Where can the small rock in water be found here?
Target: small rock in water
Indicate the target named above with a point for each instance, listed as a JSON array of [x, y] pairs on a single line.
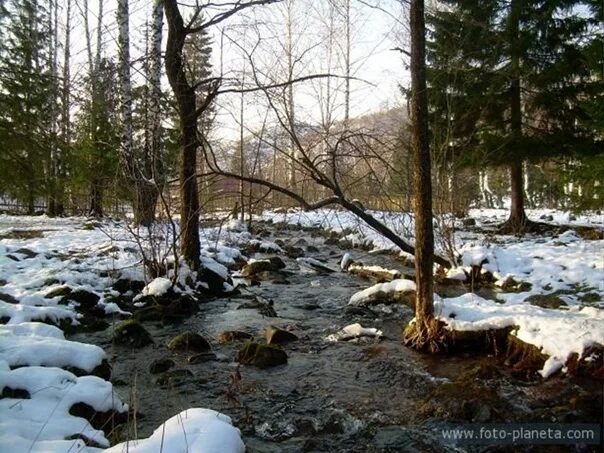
[[174, 377], [189, 342], [131, 333], [229, 336], [314, 264], [161, 365], [353, 331], [275, 335], [265, 308], [261, 356], [201, 358]]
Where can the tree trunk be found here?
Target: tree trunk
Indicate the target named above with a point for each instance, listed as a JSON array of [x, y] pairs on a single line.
[[423, 333], [517, 220], [131, 170], [96, 198], [146, 200], [65, 114], [185, 97], [148, 189]]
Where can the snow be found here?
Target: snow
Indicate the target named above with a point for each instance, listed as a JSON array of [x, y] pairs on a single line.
[[558, 333], [382, 290], [215, 267], [376, 269], [194, 430], [38, 349], [266, 246], [354, 331], [43, 421], [157, 287], [346, 261]]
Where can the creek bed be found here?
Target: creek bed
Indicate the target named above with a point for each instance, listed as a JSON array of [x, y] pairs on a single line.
[[367, 395]]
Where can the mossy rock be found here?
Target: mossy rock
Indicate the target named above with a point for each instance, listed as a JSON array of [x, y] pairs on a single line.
[[510, 285], [174, 377], [61, 291], [149, 313], [189, 342], [546, 301], [590, 297], [275, 335], [272, 264], [202, 358], [85, 299], [123, 285], [261, 356], [161, 365], [228, 336], [132, 333]]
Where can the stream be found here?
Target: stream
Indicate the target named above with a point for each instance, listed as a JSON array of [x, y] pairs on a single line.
[[355, 396]]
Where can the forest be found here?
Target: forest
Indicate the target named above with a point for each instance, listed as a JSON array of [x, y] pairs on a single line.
[[301, 225]]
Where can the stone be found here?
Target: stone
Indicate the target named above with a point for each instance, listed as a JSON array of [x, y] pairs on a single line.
[[105, 421], [189, 342], [27, 252], [201, 358], [84, 298], [275, 335], [467, 222], [131, 333], [123, 285], [253, 268], [61, 291], [214, 281], [18, 394], [229, 336], [8, 298], [261, 356], [546, 301], [161, 365], [174, 377]]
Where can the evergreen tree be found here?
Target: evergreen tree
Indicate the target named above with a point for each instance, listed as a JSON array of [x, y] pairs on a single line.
[[508, 81], [26, 100]]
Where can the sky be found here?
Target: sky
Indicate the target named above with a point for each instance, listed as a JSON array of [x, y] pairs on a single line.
[[376, 28]]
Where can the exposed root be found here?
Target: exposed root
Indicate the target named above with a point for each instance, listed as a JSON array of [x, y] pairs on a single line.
[[428, 336], [521, 226]]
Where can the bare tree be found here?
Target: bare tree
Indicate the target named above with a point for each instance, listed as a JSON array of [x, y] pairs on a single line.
[[189, 112]]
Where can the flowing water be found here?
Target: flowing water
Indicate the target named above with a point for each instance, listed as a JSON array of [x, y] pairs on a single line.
[[361, 395]]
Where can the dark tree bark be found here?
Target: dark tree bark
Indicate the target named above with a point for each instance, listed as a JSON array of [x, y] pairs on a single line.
[[517, 220], [96, 198], [185, 98], [423, 334], [145, 203]]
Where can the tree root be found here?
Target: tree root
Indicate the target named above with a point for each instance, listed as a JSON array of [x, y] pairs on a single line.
[[427, 336]]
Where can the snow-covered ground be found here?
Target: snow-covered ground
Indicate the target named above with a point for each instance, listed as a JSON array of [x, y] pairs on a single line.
[[39, 256]]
